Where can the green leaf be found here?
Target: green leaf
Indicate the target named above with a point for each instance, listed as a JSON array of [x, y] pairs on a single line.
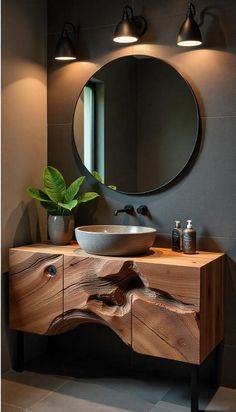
[[54, 183], [37, 194], [73, 189], [69, 205], [97, 176], [51, 207], [86, 197]]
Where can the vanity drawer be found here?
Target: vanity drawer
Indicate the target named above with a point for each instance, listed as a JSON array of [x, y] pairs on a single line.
[[36, 290], [181, 283]]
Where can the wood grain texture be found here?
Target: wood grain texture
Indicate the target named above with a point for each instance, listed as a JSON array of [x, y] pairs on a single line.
[[164, 304], [189, 335], [165, 329], [168, 324], [35, 298], [212, 306], [110, 288], [180, 282], [161, 256], [102, 288]]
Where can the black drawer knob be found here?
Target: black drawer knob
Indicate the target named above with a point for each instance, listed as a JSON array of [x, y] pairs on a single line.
[[51, 271]]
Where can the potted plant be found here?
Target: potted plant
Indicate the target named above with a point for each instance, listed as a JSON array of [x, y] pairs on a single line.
[[59, 201]]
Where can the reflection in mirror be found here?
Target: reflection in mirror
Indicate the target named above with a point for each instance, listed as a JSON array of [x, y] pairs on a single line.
[[136, 122]]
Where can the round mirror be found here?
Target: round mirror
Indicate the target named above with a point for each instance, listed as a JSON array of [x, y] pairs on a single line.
[[136, 123]]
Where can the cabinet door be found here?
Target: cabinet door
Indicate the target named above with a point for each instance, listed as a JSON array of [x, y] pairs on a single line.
[[36, 291], [165, 314], [99, 291], [166, 331]]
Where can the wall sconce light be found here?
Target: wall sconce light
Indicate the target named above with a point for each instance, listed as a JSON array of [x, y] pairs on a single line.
[[189, 34], [65, 47], [130, 28]]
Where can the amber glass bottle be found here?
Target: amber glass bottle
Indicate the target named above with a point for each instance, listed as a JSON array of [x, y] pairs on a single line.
[[177, 237]]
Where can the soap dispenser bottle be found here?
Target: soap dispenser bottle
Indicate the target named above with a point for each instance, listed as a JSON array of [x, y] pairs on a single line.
[[189, 239], [177, 237]]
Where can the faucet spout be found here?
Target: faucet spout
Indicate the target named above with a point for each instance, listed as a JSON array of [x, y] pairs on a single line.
[[117, 211], [129, 209]]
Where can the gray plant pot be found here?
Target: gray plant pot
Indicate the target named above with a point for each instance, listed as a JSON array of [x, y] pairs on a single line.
[[61, 229]]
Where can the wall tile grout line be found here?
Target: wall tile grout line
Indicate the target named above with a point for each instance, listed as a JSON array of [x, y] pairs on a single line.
[[201, 117], [57, 33], [219, 117], [203, 237], [60, 124]]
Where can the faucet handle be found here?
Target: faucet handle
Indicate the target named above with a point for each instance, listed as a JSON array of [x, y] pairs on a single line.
[[129, 209], [142, 210]]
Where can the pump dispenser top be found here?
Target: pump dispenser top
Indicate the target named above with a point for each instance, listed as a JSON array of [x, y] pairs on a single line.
[[189, 224]]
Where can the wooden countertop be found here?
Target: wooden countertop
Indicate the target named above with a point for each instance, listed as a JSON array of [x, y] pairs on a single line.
[[160, 256]]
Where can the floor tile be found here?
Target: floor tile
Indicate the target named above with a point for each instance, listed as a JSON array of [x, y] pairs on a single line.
[[224, 400], [104, 395], [35, 392], [152, 390], [11, 408], [169, 407], [180, 394], [26, 388], [61, 403]]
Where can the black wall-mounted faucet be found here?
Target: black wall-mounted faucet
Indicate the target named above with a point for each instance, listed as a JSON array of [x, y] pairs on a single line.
[[129, 209], [143, 210]]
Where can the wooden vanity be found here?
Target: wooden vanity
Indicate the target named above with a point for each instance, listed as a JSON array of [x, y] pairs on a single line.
[[164, 304]]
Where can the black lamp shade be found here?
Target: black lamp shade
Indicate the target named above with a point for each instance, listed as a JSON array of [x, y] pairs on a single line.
[[189, 34], [125, 32], [65, 49], [130, 28]]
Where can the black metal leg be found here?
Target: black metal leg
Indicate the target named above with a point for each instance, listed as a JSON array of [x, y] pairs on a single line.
[[20, 364], [215, 373], [52, 344], [194, 388]]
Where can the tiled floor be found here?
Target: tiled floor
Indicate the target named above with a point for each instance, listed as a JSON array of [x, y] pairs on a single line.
[[30, 391]]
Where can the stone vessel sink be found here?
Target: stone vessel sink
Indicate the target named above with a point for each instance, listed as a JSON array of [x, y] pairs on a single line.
[[115, 240]]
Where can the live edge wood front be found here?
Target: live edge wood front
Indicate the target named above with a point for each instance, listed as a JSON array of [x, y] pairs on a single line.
[[165, 304]]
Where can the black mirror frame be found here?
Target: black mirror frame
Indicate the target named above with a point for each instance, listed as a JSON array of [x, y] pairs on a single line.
[[189, 163]]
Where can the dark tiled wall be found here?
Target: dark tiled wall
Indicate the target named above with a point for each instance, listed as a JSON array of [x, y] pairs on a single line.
[[207, 193]]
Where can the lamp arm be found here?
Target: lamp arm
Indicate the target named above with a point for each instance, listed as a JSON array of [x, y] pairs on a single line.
[[206, 12], [64, 29], [192, 12], [128, 10], [139, 21], [191, 9]]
